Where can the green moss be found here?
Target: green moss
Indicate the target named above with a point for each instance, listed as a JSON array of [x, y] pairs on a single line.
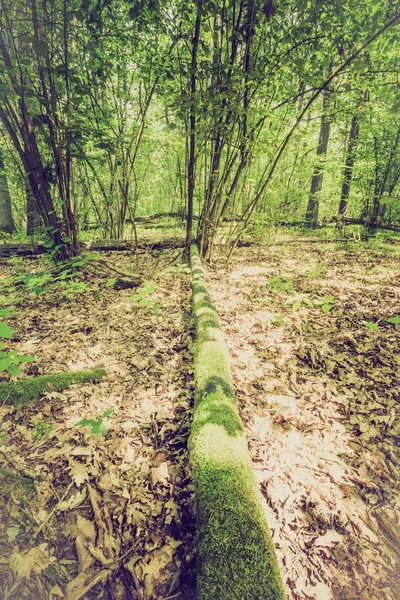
[[24, 391], [236, 555]]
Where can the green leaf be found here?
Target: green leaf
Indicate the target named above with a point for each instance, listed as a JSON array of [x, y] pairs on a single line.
[[5, 363], [14, 370], [371, 325], [5, 331], [395, 108], [394, 320], [107, 412], [49, 244], [296, 305], [85, 423], [326, 308], [12, 533], [7, 312], [40, 47], [26, 358], [27, 39]]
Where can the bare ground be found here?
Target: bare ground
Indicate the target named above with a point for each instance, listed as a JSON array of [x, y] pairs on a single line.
[[112, 516], [319, 392]]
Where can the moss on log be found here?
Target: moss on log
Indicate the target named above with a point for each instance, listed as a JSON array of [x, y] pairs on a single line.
[[236, 555], [24, 391]]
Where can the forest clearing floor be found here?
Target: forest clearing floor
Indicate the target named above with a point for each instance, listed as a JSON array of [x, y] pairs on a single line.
[[84, 514], [319, 394], [112, 516]]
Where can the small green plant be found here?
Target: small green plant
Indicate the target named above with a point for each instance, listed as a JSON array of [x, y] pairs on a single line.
[[394, 320], [41, 429], [98, 427], [3, 437], [69, 289], [281, 283], [374, 325], [18, 264], [298, 300], [141, 297], [325, 303], [277, 320], [315, 270], [10, 361]]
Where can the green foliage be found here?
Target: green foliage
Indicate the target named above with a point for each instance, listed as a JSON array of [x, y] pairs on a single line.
[[281, 283], [10, 361], [315, 270], [326, 303], [6, 332], [371, 325], [299, 300], [72, 288], [100, 426], [41, 429], [140, 297], [394, 320], [277, 320], [63, 281]]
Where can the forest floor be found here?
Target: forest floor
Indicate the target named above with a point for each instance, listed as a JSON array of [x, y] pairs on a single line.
[[318, 386]]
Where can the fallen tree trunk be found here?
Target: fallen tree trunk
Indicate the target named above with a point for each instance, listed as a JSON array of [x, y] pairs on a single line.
[[236, 555], [120, 245], [349, 221], [7, 250], [24, 391]]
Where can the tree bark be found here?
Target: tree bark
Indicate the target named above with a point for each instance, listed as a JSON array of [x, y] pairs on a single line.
[[33, 219], [6, 219], [192, 122], [312, 211], [350, 159]]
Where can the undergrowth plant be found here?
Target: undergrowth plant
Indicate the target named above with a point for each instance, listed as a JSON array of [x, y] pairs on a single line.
[[141, 297], [298, 300], [281, 283], [10, 359], [41, 429], [63, 280], [100, 426]]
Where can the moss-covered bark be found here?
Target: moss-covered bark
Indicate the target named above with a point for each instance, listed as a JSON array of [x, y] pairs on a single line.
[[24, 391], [236, 555]]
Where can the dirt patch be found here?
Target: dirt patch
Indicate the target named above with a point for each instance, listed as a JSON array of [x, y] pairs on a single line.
[[316, 369]]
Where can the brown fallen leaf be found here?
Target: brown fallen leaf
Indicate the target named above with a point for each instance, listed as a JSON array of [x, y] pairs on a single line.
[[36, 560]]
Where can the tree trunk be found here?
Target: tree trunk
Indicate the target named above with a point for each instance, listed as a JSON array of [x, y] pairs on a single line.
[[236, 555], [311, 217], [192, 122], [24, 391], [6, 218], [350, 158], [33, 219]]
